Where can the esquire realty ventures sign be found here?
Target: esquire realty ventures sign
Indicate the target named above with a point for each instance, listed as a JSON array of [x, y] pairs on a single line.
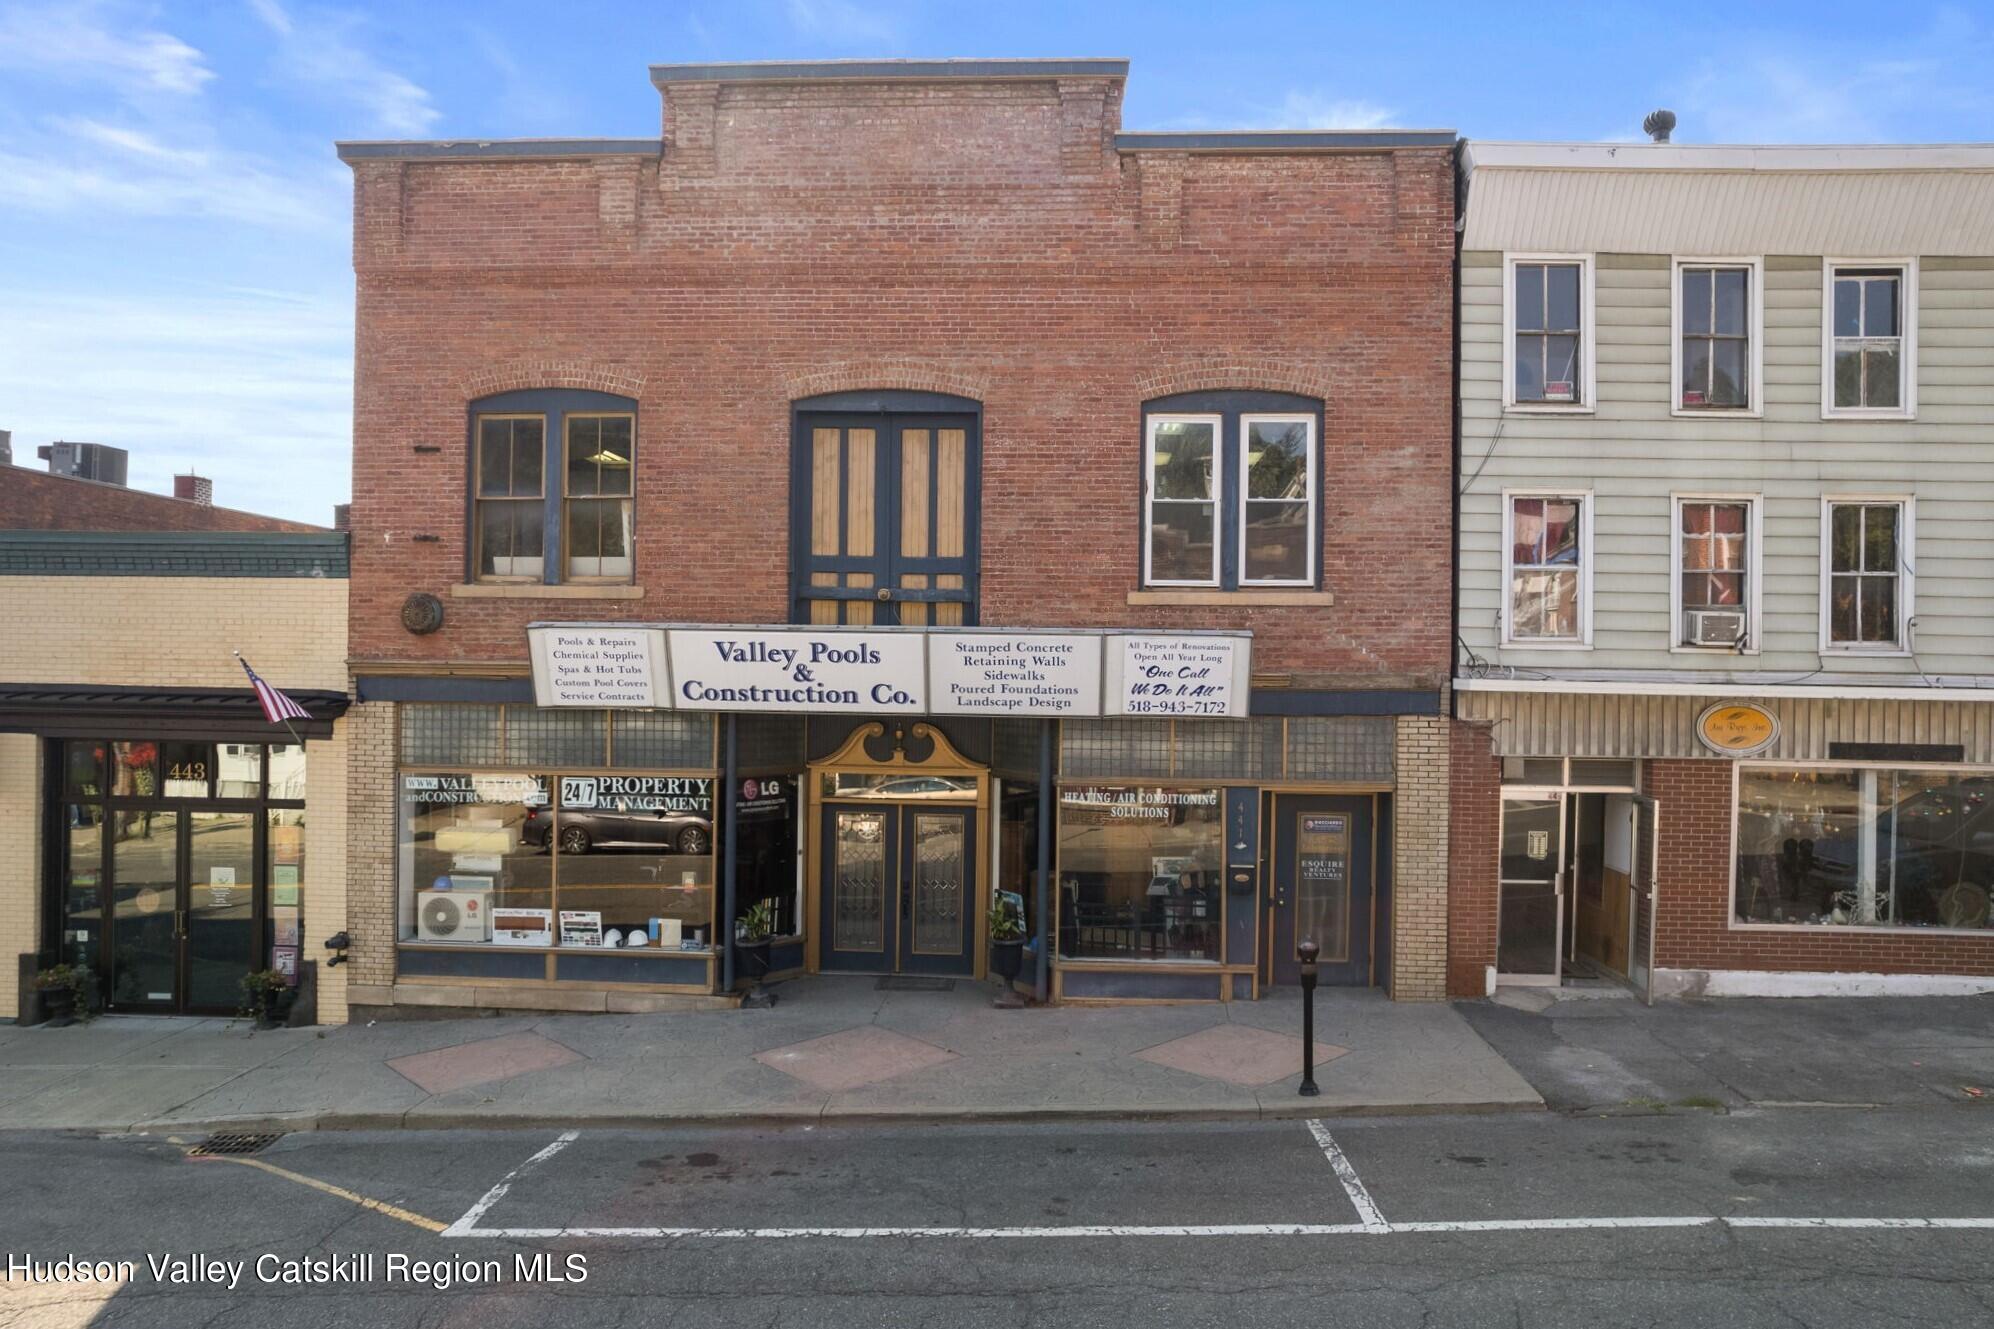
[[908, 671]]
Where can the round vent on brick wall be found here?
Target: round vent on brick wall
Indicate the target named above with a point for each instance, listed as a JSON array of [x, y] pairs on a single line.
[[422, 613]]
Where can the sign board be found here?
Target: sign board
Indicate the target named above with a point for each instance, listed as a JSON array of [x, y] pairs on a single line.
[[599, 666], [1177, 675], [637, 793], [581, 927], [1014, 673], [1737, 729], [906, 671], [797, 670]]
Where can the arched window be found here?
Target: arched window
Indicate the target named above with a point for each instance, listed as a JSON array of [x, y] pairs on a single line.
[[552, 477], [1231, 498]]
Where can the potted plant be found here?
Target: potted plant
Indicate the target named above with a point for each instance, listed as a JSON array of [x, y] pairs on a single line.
[[753, 928], [268, 995], [1007, 936], [65, 990]]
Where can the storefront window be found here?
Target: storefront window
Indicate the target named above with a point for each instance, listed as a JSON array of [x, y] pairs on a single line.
[[1865, 847], [1140, 872], [284, 844], [634, 860], [766, 863], [473, 845], [1018, 846], [287, 772], [83, 889]]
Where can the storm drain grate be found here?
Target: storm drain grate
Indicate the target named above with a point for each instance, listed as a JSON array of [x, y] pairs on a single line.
[[232, 1143], [910, 983]]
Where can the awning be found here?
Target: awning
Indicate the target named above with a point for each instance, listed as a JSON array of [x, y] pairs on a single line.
[[69, 710]]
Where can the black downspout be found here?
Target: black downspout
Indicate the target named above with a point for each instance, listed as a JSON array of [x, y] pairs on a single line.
[[1041, 986], [730, 836]]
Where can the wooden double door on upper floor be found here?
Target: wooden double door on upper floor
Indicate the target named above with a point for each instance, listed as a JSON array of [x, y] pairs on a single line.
[[884, 519]]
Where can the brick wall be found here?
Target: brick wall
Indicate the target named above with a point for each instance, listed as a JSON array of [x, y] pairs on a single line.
[[371, 906], [20, 860], [1694, 899], [1474, 830], [983, 239], [33, 500], [1419, 859]]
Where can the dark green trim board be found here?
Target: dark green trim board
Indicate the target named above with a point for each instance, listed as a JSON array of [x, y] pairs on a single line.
[[173, 554]]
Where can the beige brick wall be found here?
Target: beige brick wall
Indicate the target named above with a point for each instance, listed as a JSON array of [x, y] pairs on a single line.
[[370, 849], [325, 865], [20, 859], [1419, 860], [173, 631]]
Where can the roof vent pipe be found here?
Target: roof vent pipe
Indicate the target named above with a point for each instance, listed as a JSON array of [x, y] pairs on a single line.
[[1658, 124]]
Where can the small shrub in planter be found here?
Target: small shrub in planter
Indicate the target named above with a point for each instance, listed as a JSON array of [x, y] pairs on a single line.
[[267, 996], [1007, 937], [67, 992]]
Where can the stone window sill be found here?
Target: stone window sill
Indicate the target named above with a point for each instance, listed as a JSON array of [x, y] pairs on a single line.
[[1235, 599], [534, 591]]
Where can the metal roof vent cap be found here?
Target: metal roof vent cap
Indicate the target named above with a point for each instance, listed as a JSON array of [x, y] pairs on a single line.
[[1658, 124]]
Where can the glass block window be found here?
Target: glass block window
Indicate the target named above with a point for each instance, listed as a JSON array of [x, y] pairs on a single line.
[[769, 742], [664, 738], [1114, 747], [1341, 747], [447, 734], [1229, 749], [536, 737]]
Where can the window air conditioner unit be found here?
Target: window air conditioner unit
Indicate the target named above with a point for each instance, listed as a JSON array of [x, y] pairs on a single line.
[[453, 915], [1715, 627]]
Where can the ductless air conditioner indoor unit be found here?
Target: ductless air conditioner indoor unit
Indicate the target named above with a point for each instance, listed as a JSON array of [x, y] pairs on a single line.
[[453, 915], [1715, 627]]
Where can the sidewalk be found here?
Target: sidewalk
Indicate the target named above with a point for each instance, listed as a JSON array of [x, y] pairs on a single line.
[[834, 1049]]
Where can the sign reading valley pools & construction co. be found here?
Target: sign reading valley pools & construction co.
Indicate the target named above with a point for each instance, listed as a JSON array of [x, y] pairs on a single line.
[[907, 671]]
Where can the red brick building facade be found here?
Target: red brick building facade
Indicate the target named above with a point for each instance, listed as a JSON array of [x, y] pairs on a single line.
[[970, 242]]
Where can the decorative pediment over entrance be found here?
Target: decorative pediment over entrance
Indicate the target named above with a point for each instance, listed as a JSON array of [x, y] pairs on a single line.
[[876, 746]]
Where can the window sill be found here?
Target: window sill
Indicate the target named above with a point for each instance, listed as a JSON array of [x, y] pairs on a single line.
[[1717, 413], [1857, 413], [535, 591], [1547, 408], [1244, 598]]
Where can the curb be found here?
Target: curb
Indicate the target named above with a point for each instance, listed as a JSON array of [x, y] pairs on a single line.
[[417, 1120]]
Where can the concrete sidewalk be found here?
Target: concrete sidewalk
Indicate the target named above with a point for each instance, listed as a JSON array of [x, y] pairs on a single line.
[[834, 1049]]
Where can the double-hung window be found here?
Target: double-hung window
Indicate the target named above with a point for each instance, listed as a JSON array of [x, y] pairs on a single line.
[[1548, 350], [551, 487], [1716, 560], [1717, 310], [1866, 574], [1547, 573], [1869, 349], [1230, 495]]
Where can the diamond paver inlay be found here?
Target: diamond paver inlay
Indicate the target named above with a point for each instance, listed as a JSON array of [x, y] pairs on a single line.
[[482, 1062], [1238, 1054], [852, 1058]]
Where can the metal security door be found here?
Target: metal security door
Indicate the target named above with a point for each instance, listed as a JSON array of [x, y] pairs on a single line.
[[1530, 888], [885, 520]]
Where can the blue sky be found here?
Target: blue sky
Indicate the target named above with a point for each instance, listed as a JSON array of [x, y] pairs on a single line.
[[174, 272]]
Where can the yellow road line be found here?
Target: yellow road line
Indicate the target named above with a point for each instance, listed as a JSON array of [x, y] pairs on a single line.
[[378, 1206]]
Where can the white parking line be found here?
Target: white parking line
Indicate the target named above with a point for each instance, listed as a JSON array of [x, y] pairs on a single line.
[[1360, 1198], [468, 1225]]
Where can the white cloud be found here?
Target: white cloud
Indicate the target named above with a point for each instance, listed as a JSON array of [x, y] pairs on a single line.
[[252, 388], [76, 40], [1314, 110], [319, 49], [843, 21]]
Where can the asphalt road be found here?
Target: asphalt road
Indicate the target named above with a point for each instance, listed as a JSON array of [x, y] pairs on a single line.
[[1539, 1220]]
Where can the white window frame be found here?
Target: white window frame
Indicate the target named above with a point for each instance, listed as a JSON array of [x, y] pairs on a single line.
[[1907, 362], [1217, 423], [1584, 640], [1588, 339], [1755, 329], [1754, 559], [1246, 423], [1906, 561]]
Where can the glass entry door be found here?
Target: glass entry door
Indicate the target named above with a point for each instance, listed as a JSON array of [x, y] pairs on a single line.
[[1530, 888], [898, 889], [1322, 887], [183, 927]]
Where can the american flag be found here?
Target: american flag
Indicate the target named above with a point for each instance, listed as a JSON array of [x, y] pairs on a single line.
[[277, 708]]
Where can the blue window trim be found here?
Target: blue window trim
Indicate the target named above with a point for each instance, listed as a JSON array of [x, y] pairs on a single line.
[[556, 404], [1228, 405]]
